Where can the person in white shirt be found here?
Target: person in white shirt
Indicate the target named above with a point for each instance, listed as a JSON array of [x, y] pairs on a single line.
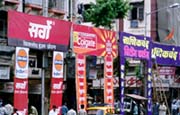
[[82, 111], [162, 109], [71, 112], [53, 111]]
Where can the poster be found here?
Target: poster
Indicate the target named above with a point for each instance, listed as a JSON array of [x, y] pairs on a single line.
[[57, 81], [21, 80]]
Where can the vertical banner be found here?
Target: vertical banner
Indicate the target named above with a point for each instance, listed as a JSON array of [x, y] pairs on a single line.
[[81, 88], [149, 88], [108, 80], [122, 84], [57, 80], [21, 80]]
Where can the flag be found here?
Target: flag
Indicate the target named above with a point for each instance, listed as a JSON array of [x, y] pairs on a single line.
[[170, 35]]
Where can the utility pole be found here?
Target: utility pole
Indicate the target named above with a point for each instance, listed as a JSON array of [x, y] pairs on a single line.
[[45, 13]]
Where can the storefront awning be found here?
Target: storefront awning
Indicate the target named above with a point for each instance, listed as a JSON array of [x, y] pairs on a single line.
[[138, 97]]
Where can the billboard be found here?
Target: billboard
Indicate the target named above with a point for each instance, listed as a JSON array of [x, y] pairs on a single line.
[[38, 32]]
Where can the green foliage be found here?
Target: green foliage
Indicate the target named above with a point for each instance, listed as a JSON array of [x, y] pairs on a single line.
[[105, 11], [138, 71]]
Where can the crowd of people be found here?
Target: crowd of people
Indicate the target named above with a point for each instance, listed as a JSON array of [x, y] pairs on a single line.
[[66, 111], [161, 108]]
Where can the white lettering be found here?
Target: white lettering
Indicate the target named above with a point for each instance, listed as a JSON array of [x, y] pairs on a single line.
[[39, 30], [80, 61], [86, 43], [21, 85], [81, 68], [58, 85]]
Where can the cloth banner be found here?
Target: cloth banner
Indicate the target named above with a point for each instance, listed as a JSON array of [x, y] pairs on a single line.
[[81, 88], [108, 80], [166, 54], [137, 47], [21, 80], [57, 81], [94, 41]]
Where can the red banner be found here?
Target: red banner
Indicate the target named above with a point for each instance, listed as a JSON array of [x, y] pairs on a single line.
[[94, 41], [108, 80], [57, 81], [81, 89], [37, 32], [21, 80]]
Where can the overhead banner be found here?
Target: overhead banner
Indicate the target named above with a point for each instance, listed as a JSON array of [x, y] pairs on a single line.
[[38, 32], [138, 47], [21, 80], [81, 89], [135, 46], [108, 80], [94, 41], [57, 80], [166, 54]]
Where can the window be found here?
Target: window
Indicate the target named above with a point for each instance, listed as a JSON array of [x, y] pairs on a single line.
[[3, 28], [57, 4], [137, 12]]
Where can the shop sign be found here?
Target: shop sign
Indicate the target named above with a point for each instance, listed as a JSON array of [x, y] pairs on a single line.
[[166, 71], [38, 32], [94, 41], [4, 72]]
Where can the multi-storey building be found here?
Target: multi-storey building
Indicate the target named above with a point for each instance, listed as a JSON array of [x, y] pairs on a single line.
[[161, 20], [56, 9]]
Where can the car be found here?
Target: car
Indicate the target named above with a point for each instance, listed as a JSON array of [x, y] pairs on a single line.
[[103, 110]]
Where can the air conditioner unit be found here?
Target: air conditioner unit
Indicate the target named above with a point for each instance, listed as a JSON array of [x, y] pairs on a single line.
[[34, 72]]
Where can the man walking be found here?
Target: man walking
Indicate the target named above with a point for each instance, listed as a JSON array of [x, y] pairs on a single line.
[[82, 111]]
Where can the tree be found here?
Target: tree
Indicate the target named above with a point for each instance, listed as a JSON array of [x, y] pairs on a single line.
[[105, 11]]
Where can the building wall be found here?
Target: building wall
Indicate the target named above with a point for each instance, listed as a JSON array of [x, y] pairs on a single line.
[[140, 30]]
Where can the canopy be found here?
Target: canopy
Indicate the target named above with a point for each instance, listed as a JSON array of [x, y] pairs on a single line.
[[138, 97]]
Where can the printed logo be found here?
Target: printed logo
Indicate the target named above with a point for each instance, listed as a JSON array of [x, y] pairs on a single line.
[[85, 40], [22, 58], [58, 62], [40, 31]]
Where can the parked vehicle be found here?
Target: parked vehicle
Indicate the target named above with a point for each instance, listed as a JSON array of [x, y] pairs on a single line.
[[103, 110]]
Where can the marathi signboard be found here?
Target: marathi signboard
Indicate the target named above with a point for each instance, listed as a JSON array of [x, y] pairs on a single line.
[[135, 46], [166, 54], [37, 32], [138, 47], [81, 88]]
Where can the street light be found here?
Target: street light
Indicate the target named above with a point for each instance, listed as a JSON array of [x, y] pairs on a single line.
[[175, 5]]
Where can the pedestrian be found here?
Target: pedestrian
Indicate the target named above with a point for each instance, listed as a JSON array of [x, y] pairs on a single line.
[[53, 111], [64, 109], [135, 109], [162, 109], [82, 111], [71, 111], [156, 108], [33, 110], [174, 108], [15, 112]]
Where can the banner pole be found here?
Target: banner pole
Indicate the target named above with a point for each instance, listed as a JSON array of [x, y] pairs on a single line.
[[45, 13]]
